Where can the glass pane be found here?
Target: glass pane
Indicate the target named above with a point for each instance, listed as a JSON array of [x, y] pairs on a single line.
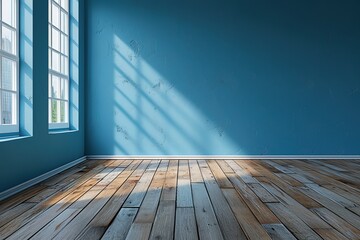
[[66, 24], [55, 41], [8, 42], [8, 74], [63, 16], [64, 44], [50, 86], [63, 65], [63, 111], [55, 87], [66, 66], [65, 5], [64, 89], [55, 61], [50, 35], [8, 101], [50, 59], [55, 16], [54, 111], [8, 12]]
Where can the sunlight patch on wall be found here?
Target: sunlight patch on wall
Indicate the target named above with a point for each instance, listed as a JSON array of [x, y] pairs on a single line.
[[150, 115]]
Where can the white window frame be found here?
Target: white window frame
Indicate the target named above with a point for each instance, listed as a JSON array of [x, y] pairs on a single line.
[[52, 72], [11, 128]]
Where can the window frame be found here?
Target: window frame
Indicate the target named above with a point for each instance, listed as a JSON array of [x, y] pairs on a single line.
[[12, 129], [52, 72]]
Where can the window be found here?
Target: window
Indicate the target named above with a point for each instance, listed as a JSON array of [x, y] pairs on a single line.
[[9, 65], [58, 64]]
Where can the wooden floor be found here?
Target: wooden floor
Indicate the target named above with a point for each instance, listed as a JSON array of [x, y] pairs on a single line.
[[204, 199]]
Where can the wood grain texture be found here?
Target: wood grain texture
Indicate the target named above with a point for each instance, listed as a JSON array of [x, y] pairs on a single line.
[[190, 199]]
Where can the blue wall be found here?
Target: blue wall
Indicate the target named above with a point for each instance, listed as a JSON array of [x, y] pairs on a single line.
[[26, 158], [223, 77]]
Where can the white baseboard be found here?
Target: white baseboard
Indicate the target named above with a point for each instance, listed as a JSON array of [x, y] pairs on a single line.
[[32, 182], [223, 157]]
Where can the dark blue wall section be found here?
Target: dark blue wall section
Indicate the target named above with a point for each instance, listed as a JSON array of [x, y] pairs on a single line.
[[223, 77], [24, 159]]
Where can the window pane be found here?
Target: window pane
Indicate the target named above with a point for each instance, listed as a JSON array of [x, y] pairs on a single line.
[[55, 16], [55, 61], [55, 41], [8, 101], [8, 12], [63, 65], [63, 17], [54, 111], [8, 42], [66, 24], [8, 74], [64, 89], [50, 86], [63, 111], [65, 5], [50, 59], [55, 87], [64, 44]]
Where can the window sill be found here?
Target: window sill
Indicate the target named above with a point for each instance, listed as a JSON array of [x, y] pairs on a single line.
[[62, 131], [13, 138]]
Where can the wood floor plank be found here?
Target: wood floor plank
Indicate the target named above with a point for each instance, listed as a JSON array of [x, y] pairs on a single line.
[[331, 195], [227, 221], [219, 175], [318, 177], [338, 223], [195, 171], [242, 173], [278, 232], [278, 166], [184, 195], [291, 191], [250, 167], [292, 222], [341, 211], [120, 226], [148, 208], [259, 209], [55, 204], [208, 226], [262, 193], [247, 220], [224, 166], [15, 212], [65, 217], [140, 231], [75, 227], [163, 227], [295, 207], [138, 194], [185, 224], [352, 196], [98, 225], [330, 234], [7, 204]]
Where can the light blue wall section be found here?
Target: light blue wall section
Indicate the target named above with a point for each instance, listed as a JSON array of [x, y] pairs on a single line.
[[223, 77], [24, 159]]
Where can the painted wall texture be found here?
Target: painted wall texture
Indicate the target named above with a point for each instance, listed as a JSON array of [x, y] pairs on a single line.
[[24, 159], [223, 77]]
